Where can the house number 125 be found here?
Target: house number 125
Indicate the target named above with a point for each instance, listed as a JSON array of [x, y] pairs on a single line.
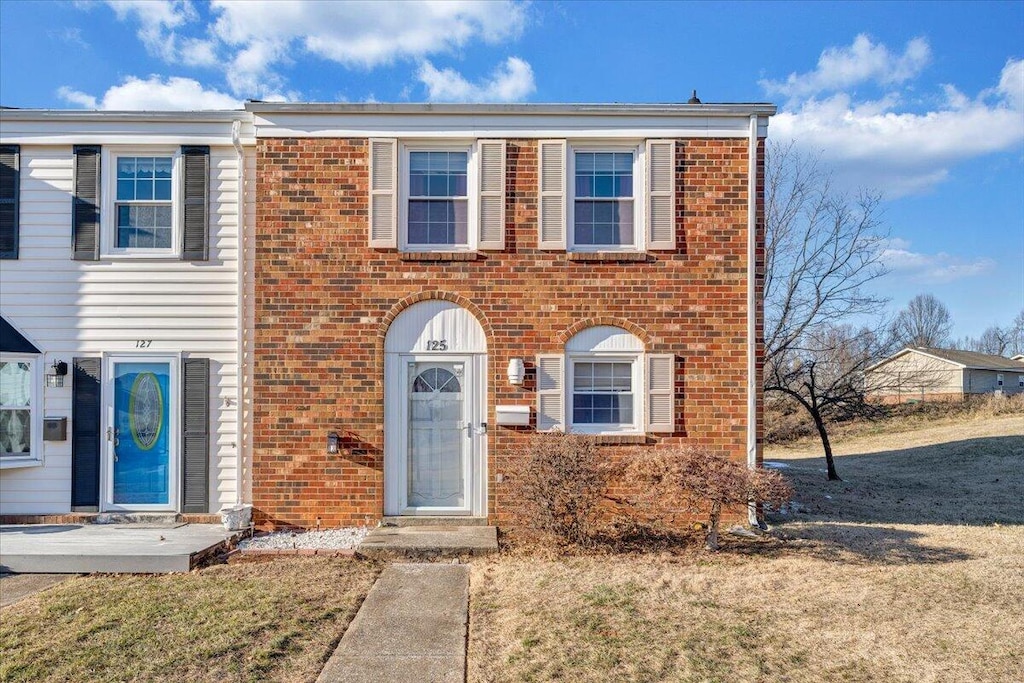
[[437, 345]]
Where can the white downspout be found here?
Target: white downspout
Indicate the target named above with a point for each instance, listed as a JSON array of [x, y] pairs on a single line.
[[752, 388], [236, 131]]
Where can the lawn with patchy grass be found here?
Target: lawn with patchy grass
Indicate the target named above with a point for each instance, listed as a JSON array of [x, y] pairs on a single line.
[[269, 621], [855, 589]]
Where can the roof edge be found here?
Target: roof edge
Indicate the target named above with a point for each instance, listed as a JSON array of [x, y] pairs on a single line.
[[208, 115], [614, 109]]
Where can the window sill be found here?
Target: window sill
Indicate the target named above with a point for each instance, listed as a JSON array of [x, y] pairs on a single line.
[[607, 256], [142, 256], [12, 463], [616, 439], [439, 256]]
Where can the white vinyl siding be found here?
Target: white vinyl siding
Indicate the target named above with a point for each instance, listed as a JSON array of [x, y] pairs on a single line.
[[79, 309]]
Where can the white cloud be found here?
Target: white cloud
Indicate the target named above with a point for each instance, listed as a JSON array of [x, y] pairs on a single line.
[[153, 94], [253, 39], [940, 268], [884, 143], [157, 21], [863, 61], [511, 81]]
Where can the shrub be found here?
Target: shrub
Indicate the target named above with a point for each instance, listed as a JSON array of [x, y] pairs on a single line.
[[695, 481], [560, 484]]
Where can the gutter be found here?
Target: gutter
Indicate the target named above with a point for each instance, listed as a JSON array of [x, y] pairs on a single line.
[[752, 388], [236, 129]]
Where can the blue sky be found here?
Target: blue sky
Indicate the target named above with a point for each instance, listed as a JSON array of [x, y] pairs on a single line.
[[923, 101]]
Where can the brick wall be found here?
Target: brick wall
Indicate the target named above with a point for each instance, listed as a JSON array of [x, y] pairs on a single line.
[[324, 299]]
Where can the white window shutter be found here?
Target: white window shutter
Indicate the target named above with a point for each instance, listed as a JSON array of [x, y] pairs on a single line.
[[492, 195], [550, 392], [551, 206], [661, 393], [384, 193], [661, 194]]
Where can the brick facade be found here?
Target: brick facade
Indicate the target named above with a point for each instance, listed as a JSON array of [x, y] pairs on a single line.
[[324, 299]]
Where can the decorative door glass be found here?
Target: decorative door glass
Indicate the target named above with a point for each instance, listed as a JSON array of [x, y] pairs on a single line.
[[437, 435], [141, 436]]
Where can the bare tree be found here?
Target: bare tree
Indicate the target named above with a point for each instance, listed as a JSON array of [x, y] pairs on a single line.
[[999, 341], [924, 322], [822, 248]]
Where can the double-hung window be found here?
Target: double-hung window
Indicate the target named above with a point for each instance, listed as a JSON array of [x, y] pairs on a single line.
[[437, 208], [142, 206], [19, 437], [606, 383], [604, 206], [603, 393]]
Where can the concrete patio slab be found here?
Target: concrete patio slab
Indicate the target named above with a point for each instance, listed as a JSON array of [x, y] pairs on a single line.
[[88, 548], [422, 542], [15, 587], [411, 627]]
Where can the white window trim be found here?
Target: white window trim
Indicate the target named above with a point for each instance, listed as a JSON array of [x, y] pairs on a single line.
[[638, 149], [108, 217], [35, 457], [999, 379], [472, 193], [1020, 381], [639, 391]]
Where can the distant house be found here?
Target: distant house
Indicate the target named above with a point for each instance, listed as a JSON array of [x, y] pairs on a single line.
[[923, 373]]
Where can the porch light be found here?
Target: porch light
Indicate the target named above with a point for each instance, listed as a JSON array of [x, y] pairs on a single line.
[[333, 443], [516, 371], [55, 378]]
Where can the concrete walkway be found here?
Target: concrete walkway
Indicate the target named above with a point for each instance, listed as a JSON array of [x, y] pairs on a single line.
[[411, 627]]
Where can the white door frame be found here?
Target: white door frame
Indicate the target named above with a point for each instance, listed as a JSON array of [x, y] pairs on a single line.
[[173, 416], [396, 437]]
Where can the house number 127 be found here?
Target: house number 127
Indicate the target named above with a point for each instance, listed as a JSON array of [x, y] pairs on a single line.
[[437, 345]]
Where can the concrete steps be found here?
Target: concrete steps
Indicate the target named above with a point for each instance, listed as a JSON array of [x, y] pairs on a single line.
[[431, 542]]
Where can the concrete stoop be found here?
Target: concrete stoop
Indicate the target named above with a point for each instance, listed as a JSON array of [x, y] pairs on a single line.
[[412, 627], [431, 542]]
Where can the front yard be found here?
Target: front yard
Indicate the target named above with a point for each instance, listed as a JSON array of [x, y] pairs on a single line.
[[273, 621], [908, 570], [856, 593]]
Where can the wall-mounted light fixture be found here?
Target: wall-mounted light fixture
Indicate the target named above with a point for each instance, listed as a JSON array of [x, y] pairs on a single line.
[[58, 371], [516, 371], [333, 443]]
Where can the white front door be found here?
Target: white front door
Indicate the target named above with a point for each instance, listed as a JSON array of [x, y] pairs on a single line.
[[439, 434]]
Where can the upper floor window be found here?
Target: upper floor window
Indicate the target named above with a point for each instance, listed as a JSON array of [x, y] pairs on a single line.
[[431, 196], [604, 212], [606, 196], [18, 404], [143, 202], [437, 212]]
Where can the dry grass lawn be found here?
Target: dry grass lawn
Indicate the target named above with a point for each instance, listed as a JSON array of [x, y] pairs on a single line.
[[273, 621], [908, 570]]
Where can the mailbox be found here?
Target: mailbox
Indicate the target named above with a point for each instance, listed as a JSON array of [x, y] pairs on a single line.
[[55, 429]]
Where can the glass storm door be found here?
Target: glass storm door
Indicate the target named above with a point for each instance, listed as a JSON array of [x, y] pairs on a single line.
[[438, 436], [141, 437]]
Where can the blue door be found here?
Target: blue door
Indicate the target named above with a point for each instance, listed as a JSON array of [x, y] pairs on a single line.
[[141, 433]]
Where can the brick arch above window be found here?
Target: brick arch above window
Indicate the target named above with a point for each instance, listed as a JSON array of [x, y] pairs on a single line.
[[605, 321]]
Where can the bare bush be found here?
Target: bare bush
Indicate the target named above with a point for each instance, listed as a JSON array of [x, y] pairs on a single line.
[[695, 481], [561, 484]]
